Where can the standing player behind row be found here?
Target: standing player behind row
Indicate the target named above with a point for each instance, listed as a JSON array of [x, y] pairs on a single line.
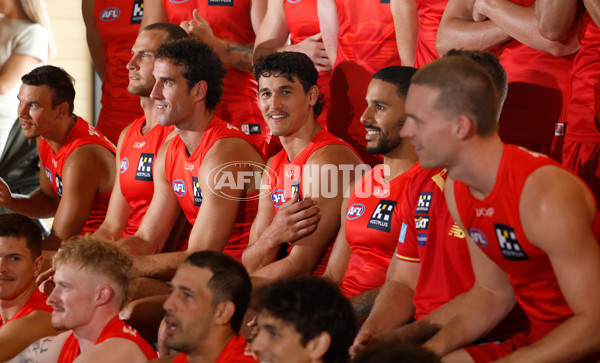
[[111, 27], [229, 27], [77, 162], [371, 216], [535, 225], [25, 316], [304, 217], [94, 279], [139, 142], [197, 170]]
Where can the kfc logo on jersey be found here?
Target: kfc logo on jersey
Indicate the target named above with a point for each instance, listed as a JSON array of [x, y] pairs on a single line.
[[124, 165], [110, 14], [144, 169], [278, 197], [49, 175], [139, 145], [58, 185], [197, 192], [421, 239], [478, 237], [507, 240], [484, 212], [424, 203], [220, 2], [137, 12], [381, 219], [356, 210], [422, 223], [179, 187]]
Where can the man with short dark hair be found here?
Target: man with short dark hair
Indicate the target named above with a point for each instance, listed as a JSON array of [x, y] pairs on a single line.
[[210, 293], [303, 319], [24, 314], [76, 161]]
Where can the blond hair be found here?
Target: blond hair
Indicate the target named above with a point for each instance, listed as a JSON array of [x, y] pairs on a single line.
[[35, 11], [100, 257]]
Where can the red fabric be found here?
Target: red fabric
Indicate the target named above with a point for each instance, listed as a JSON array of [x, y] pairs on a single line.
[[236, 351], [495, 224], [37, 301], [303, 22], [430, 237], [118, 23], [138, 153], [373, 223], [429, 16], [114, 329], [281, 191], [229, 20], [182, 172], [82, 133]]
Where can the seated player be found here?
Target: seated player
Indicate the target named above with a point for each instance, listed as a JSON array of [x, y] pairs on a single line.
[[76, 162], [25, 316]]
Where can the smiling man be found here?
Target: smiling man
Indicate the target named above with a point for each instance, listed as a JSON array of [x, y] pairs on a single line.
[[93, 281], [22, 307], [209, 297], [305, 179]]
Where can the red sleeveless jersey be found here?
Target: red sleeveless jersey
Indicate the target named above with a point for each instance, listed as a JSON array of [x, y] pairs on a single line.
[[288, 172], [137, 156], [236, 351], [495, 225], [82, 133], [114, 329], [303, 22], [118, 23], [229, 20], [429, 16], [182, 172], [373, 223], [37, 301]]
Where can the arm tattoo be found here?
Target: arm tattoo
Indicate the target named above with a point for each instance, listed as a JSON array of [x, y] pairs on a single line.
[[34, 351], [363, 303]]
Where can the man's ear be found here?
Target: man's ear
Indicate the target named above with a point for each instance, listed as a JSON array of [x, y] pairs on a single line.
[[313, 94], [224, 312], [104, 295], [464, 127], [199, 90], [319, 345], [63, 109], [38, 263]]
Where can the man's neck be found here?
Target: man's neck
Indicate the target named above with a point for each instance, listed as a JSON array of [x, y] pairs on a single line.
[[10, 307], [149, 113], [295, 143], [211, 348], [59, 136], [192, 130], [400, 159], [88, 334], [478, 165]]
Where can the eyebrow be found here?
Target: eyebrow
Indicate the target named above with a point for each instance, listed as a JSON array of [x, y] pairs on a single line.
[[280, 88]]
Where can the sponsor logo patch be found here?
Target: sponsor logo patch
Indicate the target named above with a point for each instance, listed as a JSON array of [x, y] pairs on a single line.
[[179, 187], [421, 239], [137, 12], [402, 236], [560, 129], [478, 237], [49, 175], [510, 247], [197, 192], [422, 223], [124, 165], [110, 14], [58, 185], [144, 169], [381, 219], [251, 129], [278, 197], [384, 1], [424, 203], [220, 2], [178, 1], [356, 210]]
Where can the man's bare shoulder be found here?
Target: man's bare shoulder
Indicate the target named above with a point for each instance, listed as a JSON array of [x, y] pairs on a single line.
[[44, 350], [334, 154], [232, 149]]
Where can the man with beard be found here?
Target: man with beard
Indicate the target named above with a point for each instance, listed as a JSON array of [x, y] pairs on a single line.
[[93, 281], [370, 218], [210, 293], [139, 142]]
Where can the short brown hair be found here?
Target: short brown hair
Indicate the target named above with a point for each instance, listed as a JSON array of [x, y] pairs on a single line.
[[102, 257]]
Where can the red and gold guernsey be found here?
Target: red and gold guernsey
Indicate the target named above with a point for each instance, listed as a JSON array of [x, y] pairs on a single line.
[[430, 236], [182, 170], [429, 14], [236, 350], [82, 133], [290, 172], [114, 329], [366, 43], [137, 156], [229, 20], [495, 225], [303, 22], [118, 23], [37, 301], [539, 89], [373, 224]]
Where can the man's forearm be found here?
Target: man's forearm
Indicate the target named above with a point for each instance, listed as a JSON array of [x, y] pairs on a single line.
[[363, 304], [160, 266], [393, 307], [34, 205], [233, 54]]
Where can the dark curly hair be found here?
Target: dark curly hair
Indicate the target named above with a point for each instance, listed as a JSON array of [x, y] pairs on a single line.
[[200, 63], [311, 305], [288, 65], [58, 80], [19, 226]]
